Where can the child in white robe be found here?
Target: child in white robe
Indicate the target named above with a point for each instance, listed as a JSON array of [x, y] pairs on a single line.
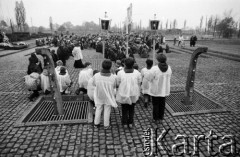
[[159, 87], [64, 80], [128, 92], [91, 87], [84, 76], [45, 84], [32, 82], [145, 83], [58, 67], [104, 98]]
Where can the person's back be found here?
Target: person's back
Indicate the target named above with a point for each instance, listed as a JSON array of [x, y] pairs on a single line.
[[59, 64], [128, 92], [91, 87], [64, 80], [104, 92], [104, 97], [160, 85], [160, 76], [45, 84], [129, 85], [84, 75]]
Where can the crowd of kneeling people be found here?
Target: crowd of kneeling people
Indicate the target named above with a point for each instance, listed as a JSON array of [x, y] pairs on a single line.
[[108, 88]]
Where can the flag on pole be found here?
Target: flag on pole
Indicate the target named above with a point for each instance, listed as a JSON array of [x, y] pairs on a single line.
[[129, 13], [129, 18]]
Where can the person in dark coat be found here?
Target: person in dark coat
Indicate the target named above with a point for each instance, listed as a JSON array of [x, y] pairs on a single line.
[[62, 54], [174, 40], [193, 40], [35, 65], [54, 57], [160, 49]]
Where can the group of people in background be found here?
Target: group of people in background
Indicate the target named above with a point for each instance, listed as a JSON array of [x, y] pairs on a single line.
[[181, 42], [109, 87], [106, 88]]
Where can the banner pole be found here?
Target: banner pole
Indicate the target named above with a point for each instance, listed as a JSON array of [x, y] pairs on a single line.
[[127, 37], [153, 49]]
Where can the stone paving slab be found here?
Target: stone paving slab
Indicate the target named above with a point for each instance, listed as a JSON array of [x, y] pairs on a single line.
[[84, 140]]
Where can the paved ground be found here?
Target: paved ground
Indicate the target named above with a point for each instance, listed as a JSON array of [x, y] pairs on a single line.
[[216, 78]]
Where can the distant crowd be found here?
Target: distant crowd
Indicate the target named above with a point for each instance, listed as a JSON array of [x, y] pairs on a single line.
[[108, 87]]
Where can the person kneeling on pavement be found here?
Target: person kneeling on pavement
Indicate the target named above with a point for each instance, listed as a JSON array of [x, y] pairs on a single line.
[[32, 83], [64, 81], [84, 76]]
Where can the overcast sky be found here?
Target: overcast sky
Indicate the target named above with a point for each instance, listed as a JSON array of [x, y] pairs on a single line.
[[78, 11]]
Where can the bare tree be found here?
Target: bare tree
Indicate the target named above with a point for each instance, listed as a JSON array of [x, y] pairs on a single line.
[[174, 24], [22, 14], [26, 27], [170, 25], [228, 13], [11, 26], [201, 23], [206, 25], [215, 24], [185, 24], [167, 24], [18, 15], [51, 23], [62, 29], [210, 24], [68, 25]]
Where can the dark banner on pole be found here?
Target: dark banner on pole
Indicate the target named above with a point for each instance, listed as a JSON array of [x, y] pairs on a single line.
[[105, 24], [154, 24]]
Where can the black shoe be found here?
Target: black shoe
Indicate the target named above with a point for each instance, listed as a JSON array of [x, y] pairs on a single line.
[[107, 127], [145, 104], [47, 92], [30, 99], [97, 126]]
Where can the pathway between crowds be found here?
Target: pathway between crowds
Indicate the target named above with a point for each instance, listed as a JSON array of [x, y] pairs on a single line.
[[217, 78]]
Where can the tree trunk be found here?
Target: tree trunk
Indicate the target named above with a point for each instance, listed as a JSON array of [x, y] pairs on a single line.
[[220, 34], [213, 32]]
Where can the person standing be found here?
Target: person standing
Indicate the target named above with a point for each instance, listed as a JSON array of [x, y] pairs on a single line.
[[174, 40], [104, 97], [159, 77], [62, 53], [128, 92], [180, 40], [77, 54], [145, 85]]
